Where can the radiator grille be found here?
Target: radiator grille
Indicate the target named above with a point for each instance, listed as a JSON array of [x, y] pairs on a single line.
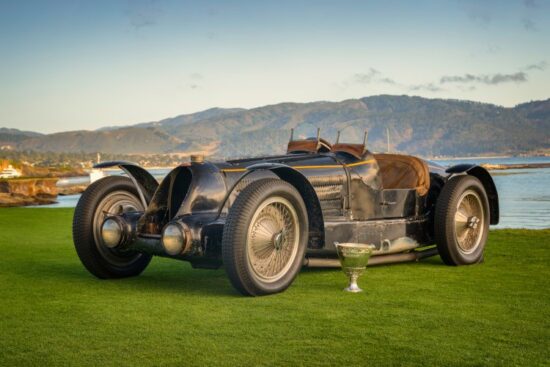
[[329, 190]]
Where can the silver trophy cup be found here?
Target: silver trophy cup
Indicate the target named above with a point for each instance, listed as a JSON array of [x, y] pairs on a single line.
[[353, 258]]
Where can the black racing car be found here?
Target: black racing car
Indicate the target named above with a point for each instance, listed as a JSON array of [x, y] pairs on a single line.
[[264, 218]]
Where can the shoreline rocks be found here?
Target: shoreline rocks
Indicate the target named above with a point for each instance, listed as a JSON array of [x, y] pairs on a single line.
[[28, 191], [16, 200], [71, 190]]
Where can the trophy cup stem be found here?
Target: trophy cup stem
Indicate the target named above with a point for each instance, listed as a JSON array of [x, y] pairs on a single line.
[[353, 287]]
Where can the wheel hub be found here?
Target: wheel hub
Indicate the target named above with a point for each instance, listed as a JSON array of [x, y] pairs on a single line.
[[473, 222], [115, 203], [469, 221], [278, 240]]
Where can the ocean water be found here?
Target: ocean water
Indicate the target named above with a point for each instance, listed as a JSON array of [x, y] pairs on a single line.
[[524, 194]]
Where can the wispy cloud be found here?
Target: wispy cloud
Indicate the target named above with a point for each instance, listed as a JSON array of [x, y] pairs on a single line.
[[481, 18], [530, 3], [490, 79], [529, 25], [540, 66], [463, 82], [195, 80], [479, 12], [196, 76], [429, 87], [372, 76], [527, 22], [143, 13], [483, 12], [466, 88]]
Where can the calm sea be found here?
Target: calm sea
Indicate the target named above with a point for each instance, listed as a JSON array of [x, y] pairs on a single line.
[[524, 193]]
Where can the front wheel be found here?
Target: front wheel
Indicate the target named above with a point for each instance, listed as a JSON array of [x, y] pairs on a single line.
[[109, 196], [265, 237], [462, 221]]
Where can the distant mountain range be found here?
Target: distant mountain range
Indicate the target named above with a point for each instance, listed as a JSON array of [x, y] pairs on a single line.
[[416, 125]]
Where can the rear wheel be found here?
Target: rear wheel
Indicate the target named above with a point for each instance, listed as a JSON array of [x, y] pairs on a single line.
[[265, 237], [109, 196], [462, 221]]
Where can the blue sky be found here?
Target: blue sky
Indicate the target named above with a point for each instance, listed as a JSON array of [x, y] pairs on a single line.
[[68, 65]]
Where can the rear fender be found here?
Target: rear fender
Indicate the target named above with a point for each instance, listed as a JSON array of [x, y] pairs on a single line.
[[145, 183], [485, 177]]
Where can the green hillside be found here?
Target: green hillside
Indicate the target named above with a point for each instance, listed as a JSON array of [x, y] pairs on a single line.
[[416, 125]]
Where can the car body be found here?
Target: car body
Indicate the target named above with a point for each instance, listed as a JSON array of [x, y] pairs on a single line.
[[346, 194]]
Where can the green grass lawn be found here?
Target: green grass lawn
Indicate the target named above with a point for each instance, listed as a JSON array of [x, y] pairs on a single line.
[[54, 313]]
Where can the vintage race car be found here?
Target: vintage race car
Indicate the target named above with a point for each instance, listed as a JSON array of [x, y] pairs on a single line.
[[264, 218]]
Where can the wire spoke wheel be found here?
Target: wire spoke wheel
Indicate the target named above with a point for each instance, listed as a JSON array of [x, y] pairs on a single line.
[[272, 240], [461, 221], [469, 223], [265, 237]]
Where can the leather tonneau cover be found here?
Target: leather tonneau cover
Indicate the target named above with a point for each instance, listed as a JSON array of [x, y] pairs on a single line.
[[403, 172]]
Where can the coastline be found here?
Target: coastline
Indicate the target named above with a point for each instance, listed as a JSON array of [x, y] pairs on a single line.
[[18, 200], [497, 167], [443, 158]]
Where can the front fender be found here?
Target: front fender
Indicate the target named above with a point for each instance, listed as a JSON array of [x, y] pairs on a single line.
[[485, 177], [144, 182], [306, 190]]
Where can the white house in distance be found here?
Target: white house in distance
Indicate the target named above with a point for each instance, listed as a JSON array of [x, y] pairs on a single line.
[[10, 172]]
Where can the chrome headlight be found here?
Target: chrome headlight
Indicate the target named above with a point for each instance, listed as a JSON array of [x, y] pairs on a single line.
[[112, 232], [175, 238]]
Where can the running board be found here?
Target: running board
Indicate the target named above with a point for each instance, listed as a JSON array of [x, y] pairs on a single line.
[[400, 233], [374, 260]]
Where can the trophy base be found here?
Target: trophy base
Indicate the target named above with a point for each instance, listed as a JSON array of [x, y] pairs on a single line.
[[353, 288]]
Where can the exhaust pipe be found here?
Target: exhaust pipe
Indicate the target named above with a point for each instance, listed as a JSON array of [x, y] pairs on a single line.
[[374, 260], [401, 244]]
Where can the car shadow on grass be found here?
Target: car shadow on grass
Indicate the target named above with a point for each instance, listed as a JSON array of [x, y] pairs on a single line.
[[164, 277], [188, 281], [161, 276]]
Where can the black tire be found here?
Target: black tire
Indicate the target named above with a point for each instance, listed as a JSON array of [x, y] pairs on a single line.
[[237, 252], [448, 223], [98, 259]]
